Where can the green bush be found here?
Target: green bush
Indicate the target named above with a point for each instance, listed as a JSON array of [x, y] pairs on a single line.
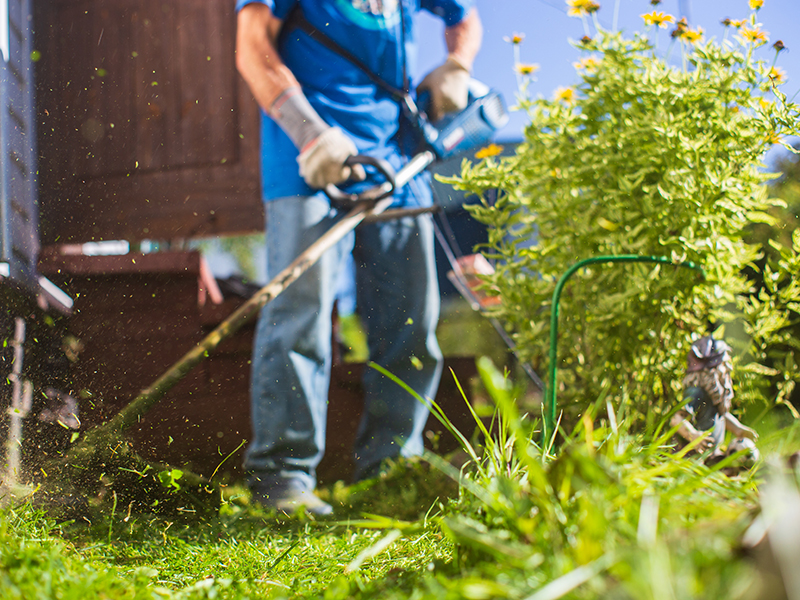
[[643, 157]]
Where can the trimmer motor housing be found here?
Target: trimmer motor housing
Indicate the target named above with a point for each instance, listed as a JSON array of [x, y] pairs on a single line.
[[468, 129]]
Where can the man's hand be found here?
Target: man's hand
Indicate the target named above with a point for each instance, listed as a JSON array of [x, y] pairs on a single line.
[[449, 83], [322, 161], [690, 433], [448, 86]]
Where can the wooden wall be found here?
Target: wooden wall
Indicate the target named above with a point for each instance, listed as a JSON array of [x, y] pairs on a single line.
[[137, 314], [146, 130]]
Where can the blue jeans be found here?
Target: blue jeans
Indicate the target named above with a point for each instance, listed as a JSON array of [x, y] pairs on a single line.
[[398, 299]]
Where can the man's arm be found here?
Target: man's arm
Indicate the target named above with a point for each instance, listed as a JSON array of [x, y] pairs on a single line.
[[463, 40], [323, 149], [689, 432], [448, 84], [736, 428], [257, 58]]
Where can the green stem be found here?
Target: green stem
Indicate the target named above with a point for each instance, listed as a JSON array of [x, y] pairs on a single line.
[[615, 22], [683, 56], [669, 51], [597, 27]]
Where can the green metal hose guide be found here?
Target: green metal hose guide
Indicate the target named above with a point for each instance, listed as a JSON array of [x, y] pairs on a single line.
[[550, 393]]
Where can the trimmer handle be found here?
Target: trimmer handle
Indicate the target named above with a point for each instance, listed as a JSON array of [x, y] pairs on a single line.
[[337, 196]]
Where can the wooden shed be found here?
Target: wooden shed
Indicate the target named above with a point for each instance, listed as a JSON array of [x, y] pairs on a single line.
[[146, 131]]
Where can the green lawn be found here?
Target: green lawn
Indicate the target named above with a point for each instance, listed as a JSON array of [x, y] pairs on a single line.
[[611, 514]]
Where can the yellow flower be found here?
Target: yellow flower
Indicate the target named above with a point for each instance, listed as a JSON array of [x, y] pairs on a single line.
[[756, 4], [773, 138], [592, 7], [565, 95], [733, 23], [515, 39], [765, 105], [487, 151], [578, 8], [587, 63], [757, 36], [526, 68], [693, 35], [680, 28], [659, 19], [777, 75]]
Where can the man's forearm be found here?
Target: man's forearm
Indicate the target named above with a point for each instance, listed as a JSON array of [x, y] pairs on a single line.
[[257, 58], [274, 86], [323, 149], [463, 40], [733, 425]]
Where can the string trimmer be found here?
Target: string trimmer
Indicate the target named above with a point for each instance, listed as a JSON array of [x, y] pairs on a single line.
[[458, 133]]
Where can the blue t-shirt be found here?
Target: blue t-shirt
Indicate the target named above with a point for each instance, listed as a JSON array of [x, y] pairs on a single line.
[[342, 94]]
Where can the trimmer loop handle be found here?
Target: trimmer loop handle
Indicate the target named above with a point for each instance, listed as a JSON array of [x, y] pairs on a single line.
[[337, 196]]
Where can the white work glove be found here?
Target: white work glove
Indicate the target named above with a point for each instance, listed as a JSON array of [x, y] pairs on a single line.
[[322, 161], [323, 149], [448, 85]]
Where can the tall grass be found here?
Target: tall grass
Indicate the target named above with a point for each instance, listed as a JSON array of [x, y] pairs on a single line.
[[614, 512], [611, 512]]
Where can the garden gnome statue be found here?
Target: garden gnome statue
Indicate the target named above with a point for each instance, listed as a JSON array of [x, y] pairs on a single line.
[[709, 386]]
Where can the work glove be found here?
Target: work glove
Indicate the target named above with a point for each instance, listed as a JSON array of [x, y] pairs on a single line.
[[322, 161], [448, 85], [323, 149]]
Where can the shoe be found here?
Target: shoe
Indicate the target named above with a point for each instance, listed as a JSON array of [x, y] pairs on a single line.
[[375, 471], [288, 496]]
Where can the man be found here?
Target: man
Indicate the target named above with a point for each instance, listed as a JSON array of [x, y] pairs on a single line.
[[318, 108]]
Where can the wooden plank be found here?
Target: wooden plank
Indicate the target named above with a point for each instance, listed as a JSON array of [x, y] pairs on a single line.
[[155, 84], [113, 119], [207, 81], [163, 206], [19, 196], [18, 142], [18, 32], [72, 108], [181, 158], [53, 260], [25, 241], [91, 76]]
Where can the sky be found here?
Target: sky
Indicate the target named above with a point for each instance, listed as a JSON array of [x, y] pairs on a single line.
[[548, 31]]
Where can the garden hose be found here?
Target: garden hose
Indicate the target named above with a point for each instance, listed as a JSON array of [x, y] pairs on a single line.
[[549, 409]]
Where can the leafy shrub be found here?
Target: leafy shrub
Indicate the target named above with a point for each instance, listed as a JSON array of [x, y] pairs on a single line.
[[643, 157]]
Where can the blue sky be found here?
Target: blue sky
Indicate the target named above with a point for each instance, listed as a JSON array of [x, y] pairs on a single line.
[[548, 31]]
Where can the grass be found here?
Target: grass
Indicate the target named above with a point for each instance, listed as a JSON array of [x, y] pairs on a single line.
[[613, 514], [242, 553]]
